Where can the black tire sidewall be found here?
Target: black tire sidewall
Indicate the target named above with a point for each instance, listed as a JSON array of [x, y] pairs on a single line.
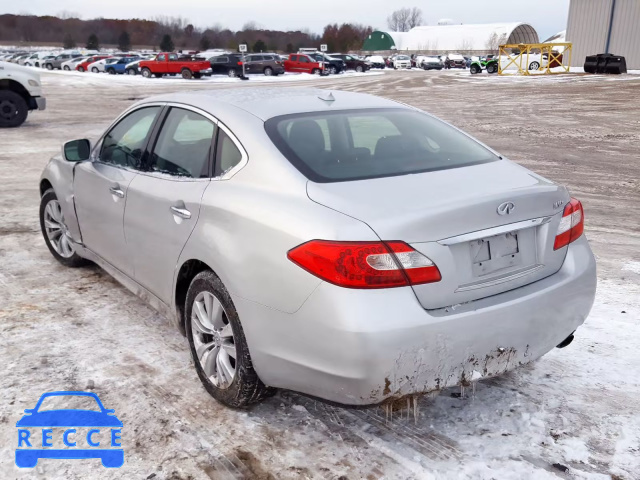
[[246, 388], [75, 260], [21, 106], [146, 73]]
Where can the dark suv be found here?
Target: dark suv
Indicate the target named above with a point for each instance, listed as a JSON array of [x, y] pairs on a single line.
[[229, 64], [267, 63], [331, 64], [352, 62]]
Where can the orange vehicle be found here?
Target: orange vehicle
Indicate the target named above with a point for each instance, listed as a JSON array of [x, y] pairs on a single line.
[[170, 64]]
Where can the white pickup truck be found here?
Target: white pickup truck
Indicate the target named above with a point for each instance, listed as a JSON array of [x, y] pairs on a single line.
[[20, 92]]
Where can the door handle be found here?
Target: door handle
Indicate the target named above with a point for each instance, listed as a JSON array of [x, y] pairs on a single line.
[[181, 212], [117, 192]]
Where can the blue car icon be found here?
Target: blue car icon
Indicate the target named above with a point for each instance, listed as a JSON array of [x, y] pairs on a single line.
[[104, 419]]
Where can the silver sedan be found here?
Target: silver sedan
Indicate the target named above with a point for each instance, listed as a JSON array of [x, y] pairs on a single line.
[[337, 244]]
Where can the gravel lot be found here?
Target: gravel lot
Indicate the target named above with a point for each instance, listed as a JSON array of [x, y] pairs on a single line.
[[576, 408]]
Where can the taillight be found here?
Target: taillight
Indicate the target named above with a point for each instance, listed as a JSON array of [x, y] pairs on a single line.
[[365, 264], [571, 226], [240, 63]]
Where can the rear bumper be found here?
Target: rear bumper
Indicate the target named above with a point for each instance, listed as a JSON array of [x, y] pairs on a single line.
[[360, 347]]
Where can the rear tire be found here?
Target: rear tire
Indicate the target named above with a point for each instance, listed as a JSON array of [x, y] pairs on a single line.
[[244, 388], [146, 73], [534, 66], [66, 68], [232, 73], [186, 74], [53, 228], [95, 70], [111, 71], [81, 69], [13, 109], [268, 71], [49, 66]]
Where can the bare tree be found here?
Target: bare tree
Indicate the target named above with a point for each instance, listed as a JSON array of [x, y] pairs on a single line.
[[404, 19], [466, 46], [494, 41]]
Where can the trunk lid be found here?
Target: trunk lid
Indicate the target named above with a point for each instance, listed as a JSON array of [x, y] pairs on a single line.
[[451, 216]]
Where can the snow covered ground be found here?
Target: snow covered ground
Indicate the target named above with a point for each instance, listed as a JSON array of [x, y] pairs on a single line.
[[571, 415]]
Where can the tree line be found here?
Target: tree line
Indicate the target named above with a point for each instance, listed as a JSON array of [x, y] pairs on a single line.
[[170, 33]]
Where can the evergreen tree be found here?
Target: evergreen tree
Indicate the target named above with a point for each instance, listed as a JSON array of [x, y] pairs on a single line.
[[205, 44], [68, 42], [124, 42], [166, 45], [259, 46], [92, 43]]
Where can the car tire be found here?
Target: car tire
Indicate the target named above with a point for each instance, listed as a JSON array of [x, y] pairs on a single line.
[[146, 73], [13, 109], [62, 250], [111, 71], [131, 71], [316, 71], [474, 69], [534, 66], [359, 69], [231, 381], [49, 66], [81, 69], [187, 74], [233, 73], [492, 68], [333, 70], [268, 71], [66, 68], [95, 70]]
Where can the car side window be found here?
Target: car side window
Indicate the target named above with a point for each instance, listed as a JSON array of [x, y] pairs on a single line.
[[173, 57], [125, 143], [184, 145], [294, 58], [161, 58], [227, 154], [303, 59]]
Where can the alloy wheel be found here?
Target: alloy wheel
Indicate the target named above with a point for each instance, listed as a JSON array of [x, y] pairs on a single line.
[[213, 340], [56, 230]]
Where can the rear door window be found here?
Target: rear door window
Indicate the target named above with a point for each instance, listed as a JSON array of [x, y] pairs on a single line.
[[372, 143], [228, 155], [183, 148]]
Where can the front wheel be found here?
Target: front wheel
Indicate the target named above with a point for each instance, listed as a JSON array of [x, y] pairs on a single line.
[[186, 74], [146, 73], [95, 70], [315, 71], [66, 67], [534, 66], [81, 69], [232, 73], [333, 70], [49, 66], [218, 344], [474, 69], [55, 232], [359, 69], [13, 109], [111, 71], [131, 71]]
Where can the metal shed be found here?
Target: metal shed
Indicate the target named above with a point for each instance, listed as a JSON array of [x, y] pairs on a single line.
[[463, 38], [605, 26]]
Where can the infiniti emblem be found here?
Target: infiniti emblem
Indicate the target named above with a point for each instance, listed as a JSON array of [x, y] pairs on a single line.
[[506, 208]]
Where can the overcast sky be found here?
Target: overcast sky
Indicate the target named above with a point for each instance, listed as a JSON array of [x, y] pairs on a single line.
[[547, 16]]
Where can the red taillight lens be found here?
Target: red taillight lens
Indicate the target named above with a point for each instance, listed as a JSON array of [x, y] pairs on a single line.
[[365, 264], [571, 226], [240, 63]]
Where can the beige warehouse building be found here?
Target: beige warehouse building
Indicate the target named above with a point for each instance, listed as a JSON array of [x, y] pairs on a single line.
[[605, 26]]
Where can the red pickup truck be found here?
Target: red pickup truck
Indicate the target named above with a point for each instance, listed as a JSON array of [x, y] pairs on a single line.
[[300, 63], [168, 63]]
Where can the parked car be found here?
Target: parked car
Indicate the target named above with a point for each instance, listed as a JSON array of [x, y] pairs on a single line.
[[301, 63], [331, 64], [56, 63], [401, 61], [467, 267], [168, 63], [431, 63], [376, 61], [454, 60], [84, 65], [228, 64], [264, 63], [353, 62], [132, 68], [100, 65], [71, 64], [120, 66], [20, 93]]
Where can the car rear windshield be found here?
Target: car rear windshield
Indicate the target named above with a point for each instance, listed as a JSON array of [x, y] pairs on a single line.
[[370, 143]]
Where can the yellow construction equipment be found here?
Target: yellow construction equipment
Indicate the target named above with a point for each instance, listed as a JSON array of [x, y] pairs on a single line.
[[534, 58]]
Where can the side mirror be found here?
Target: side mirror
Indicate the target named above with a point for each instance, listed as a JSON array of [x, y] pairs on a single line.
[[77, 150]]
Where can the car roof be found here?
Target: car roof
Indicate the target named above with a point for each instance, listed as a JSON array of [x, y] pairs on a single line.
[[266, 103]]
